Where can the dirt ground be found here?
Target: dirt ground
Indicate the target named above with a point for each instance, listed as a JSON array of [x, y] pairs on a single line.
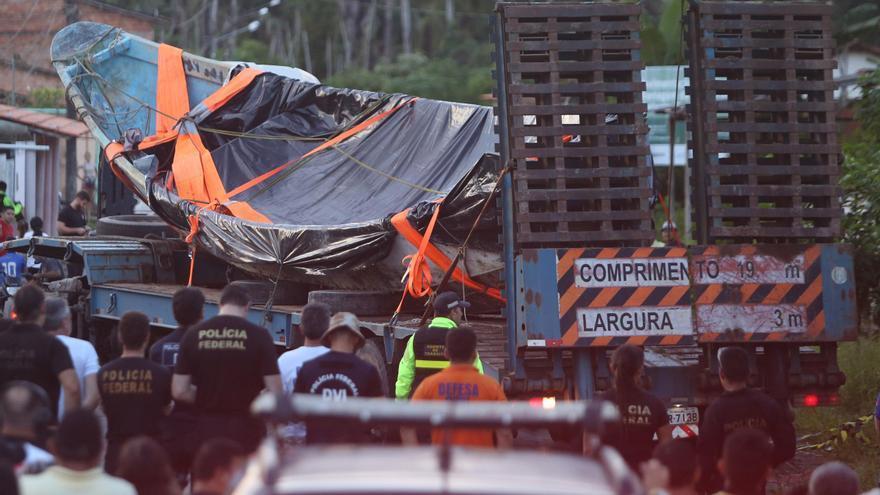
[[794, 472]]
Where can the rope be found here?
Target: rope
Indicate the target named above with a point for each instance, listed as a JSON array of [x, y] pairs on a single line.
[[191, 237], [386, 175], [267, 309], [463, 247]]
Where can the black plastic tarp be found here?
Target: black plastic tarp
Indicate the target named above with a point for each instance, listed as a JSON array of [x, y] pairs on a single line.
[[330, 213]]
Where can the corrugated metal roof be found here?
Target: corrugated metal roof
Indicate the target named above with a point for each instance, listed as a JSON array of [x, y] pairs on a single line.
[[43, 122]]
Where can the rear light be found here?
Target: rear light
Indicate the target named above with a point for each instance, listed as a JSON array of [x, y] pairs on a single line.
[[543, 402], [817, 399], [13, 315]]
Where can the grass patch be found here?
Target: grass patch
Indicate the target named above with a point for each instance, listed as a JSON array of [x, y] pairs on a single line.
[[861, 362]]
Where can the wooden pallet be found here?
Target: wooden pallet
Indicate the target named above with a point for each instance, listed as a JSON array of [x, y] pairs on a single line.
[[770, 152], [575, 124]]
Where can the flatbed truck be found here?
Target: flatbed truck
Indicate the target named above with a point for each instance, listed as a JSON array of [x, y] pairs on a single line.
[[574, 295]]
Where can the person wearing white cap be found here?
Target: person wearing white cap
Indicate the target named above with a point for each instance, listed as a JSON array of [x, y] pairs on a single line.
[[337, 375]]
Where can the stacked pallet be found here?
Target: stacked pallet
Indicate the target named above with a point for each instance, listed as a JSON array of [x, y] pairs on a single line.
[[762, 99], [575, 126]]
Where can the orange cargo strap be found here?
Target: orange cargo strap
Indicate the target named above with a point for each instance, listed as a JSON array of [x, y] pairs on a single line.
[[419, 274], [222, 96], [193, 169], [326, 144], [172, 98]]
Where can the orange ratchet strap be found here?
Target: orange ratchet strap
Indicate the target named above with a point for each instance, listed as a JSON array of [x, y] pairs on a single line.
[[172, 98], [326, 144], [419, 274]]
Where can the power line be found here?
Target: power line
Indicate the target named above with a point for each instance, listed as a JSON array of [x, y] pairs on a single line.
[[457, 13]]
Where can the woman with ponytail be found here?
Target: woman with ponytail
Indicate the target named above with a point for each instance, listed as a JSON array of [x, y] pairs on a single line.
[[642, 415]]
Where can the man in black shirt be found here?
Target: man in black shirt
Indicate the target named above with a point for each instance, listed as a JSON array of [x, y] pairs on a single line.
[[188, 305], [223, 364], [179, 435], [337, 375], [28, 353], [136, 393], [740, 407], [72, 218]]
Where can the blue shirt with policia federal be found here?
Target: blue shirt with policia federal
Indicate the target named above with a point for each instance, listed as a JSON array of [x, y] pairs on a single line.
[[425, 352]]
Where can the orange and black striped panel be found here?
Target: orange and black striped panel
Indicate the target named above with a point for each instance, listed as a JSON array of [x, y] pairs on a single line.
[[572, 297], [805, 296]]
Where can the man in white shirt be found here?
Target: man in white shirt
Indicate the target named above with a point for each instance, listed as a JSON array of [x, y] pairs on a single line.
[[82, 353], [315, 320], [79, 447]]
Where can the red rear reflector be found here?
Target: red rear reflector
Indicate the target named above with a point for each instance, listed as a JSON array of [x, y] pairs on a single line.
[[543, 402], [811, 400]]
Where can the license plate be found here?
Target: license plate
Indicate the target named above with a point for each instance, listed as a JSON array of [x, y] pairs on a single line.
[[683, 415]]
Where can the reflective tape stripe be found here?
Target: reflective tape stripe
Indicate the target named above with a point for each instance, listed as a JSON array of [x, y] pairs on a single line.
[[434, 365]]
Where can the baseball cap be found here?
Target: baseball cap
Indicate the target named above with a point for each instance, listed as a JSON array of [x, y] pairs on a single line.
[[445, 302], [343, 321]]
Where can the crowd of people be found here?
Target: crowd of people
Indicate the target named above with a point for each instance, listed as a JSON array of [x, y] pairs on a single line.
[[181, 405], [71, 221]]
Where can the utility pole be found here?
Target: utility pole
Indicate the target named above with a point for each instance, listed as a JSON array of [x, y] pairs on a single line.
[[13, 79], [71, 13], [406, 26], [387, 33]]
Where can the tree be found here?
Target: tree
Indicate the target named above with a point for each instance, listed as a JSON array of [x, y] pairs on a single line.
[[861, 201]]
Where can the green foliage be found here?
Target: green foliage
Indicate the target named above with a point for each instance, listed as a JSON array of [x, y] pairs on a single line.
[[254, 50], [857, 20], [46, 98], [653, 45], [861, 185], [670, 29], [416, 74], [858, 360], [459, 71]]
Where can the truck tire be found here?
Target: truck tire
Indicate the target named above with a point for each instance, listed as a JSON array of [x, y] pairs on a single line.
[[138, 226], [361, 303], [261, 290], [372, 353]]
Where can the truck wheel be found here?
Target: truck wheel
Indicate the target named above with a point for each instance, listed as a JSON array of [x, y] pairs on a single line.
[[361, 303], [372, 353], [138, 226]]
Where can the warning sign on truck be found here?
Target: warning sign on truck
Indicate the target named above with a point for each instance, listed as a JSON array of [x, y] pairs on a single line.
[[631, 272], [626, 322], [672, 296], [747, 269], [756, 318]]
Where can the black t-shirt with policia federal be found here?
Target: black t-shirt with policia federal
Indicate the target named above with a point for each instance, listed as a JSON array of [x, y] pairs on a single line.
[[227, 358], [641, 415], [134, 393], [337, 376]]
